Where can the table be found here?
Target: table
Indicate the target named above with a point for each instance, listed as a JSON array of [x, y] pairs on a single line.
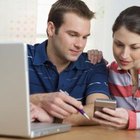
[[90, 133]]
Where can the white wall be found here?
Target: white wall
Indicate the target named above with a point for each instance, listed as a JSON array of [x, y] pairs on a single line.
[[18, 20], [112, 10]]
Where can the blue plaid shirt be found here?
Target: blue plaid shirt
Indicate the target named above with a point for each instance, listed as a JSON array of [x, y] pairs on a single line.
[[79, 79]]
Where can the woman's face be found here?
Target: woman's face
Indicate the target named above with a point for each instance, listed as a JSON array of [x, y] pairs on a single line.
[[126, 48]]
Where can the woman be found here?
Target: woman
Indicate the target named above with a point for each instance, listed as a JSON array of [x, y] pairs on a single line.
[[124, 74]]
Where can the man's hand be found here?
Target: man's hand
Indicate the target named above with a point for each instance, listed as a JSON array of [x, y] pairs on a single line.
[[115, 118], [60, 105], [39, 114]]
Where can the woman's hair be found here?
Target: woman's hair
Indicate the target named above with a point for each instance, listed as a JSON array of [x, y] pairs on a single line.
[[60, 7], [130, 19]]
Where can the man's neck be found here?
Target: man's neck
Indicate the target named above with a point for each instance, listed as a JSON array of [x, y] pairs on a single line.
[[60, 63]]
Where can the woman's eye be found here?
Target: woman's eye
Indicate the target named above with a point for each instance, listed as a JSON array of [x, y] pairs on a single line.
[[119, 45]]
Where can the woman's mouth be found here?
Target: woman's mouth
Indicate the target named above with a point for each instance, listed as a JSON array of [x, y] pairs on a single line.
[[124, 63]]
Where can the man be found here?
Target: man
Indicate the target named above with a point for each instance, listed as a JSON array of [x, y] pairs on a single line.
[[60, 64]]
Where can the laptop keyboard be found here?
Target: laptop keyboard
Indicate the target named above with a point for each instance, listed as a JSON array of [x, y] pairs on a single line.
[[42, 125]]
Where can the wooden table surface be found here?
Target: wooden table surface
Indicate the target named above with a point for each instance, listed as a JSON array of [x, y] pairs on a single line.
[[90, 133]]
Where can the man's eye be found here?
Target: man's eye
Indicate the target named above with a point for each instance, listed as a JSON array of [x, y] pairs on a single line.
[[71, 34], [135, 48], [85, 37]]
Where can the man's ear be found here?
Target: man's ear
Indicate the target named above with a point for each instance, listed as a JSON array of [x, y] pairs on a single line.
[[50, 29]]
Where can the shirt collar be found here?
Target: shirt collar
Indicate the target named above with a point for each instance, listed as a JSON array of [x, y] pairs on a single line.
[[41, 57], [81, 64], [40, 53], [119, 69]]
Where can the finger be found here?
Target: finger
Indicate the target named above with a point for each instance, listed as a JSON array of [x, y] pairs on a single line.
[[33, 118], [32, 107], [114, 113], [109, 111], [56, 111], [111, 118], [43, 116], [107, 123], [94, 59], [70, 101], [96, 52], [57, 106], [96, 56], [69, 108], [103, 116], [89, 55], [100, 56]]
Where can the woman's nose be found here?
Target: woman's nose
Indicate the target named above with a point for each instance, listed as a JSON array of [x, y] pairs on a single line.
[[125, 53]]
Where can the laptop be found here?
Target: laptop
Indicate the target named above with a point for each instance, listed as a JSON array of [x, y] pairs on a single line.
[[14, 96]]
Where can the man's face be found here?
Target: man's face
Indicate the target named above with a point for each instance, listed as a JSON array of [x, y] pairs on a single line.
[[70, 41]]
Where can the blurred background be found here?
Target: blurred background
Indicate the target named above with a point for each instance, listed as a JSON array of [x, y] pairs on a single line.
[[26, 21]]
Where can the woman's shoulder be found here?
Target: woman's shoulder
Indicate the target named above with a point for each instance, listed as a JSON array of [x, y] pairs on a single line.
[[113, 65]]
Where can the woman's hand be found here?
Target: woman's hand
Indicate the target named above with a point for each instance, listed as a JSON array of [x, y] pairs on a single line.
[[115, 118], [37, 113], [95, 56]]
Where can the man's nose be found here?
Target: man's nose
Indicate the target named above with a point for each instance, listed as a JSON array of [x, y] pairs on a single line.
[[80, 42]]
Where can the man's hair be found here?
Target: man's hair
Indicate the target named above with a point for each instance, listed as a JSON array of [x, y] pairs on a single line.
[[60, 7], [128, 18]]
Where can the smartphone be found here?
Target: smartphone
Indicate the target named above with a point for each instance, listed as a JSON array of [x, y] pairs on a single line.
[[100, 103]]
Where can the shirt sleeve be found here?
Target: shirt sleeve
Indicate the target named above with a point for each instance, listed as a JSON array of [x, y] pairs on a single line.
[[134, 120], [98, 80]]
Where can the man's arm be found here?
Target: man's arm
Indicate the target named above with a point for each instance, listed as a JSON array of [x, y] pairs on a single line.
[[57, 104], [37, 98], [73, 118], [97, 81], [78, 119]]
